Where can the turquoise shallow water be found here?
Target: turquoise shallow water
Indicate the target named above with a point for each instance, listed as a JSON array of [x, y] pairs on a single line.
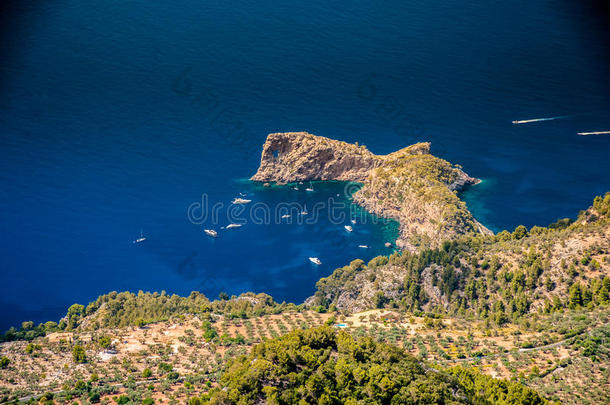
[[116, 117]]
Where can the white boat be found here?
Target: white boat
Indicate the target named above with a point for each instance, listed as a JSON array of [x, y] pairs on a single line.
[[309, 189], [211, 232], [304, 212], [348, 228], [240, 201], [315, 260], [285, 216], [140, 239], [231, 226], [295, 188], [363, 246], [353, 221]]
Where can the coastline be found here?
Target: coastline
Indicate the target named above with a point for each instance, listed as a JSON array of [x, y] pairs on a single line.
[[411, 186]]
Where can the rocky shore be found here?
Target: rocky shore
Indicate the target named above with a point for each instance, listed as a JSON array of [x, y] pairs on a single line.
[[410, 185]]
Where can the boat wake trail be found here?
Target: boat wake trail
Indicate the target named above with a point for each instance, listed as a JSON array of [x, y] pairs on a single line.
[[594, 133], [540, 119]]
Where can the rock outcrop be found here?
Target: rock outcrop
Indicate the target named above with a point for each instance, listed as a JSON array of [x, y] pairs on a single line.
[[410, 185], [300, 156]]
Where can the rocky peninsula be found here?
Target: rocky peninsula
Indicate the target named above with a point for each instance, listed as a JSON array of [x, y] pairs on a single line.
[[410, 185]]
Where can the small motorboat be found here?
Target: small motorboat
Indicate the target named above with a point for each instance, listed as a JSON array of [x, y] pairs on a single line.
[[315, 260], [285, 216], [241, 201], [309, 189], [211, 232], [231, 226], [348, 228], [141, 239], [363, 246], [353, 221]]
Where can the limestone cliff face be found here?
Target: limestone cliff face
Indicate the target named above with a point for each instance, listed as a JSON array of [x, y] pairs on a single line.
[[299, 156], [410, 185]]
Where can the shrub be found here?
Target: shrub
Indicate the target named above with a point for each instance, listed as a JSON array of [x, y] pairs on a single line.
[[78, 354]]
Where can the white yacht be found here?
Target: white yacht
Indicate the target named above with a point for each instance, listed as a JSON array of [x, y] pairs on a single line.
[[363, 246], [315, 260], [354, 221], [285, 216], [348, 228], [231, 226], [241, 201], [211, 232]]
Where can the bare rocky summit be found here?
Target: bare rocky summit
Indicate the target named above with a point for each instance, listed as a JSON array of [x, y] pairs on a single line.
[[300, 156], [410, 185]]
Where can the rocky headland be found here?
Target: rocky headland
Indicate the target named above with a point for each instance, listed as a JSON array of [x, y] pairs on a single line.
[[410, 185]]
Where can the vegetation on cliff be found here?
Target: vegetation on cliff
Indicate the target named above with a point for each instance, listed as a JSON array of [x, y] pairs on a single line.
[[419, 190], [499, 277]]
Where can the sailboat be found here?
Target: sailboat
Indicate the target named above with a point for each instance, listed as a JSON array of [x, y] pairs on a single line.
[[141, 239], [310, 188]]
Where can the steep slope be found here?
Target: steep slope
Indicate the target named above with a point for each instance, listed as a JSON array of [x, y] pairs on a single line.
[[410, 185], [502, 276]]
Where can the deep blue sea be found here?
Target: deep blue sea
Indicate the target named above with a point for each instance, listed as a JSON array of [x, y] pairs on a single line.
[[117, 116]]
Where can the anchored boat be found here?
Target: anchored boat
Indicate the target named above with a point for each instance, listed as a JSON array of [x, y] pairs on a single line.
[[211, 232], [315, 260], [241, 201], [140, 239]]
